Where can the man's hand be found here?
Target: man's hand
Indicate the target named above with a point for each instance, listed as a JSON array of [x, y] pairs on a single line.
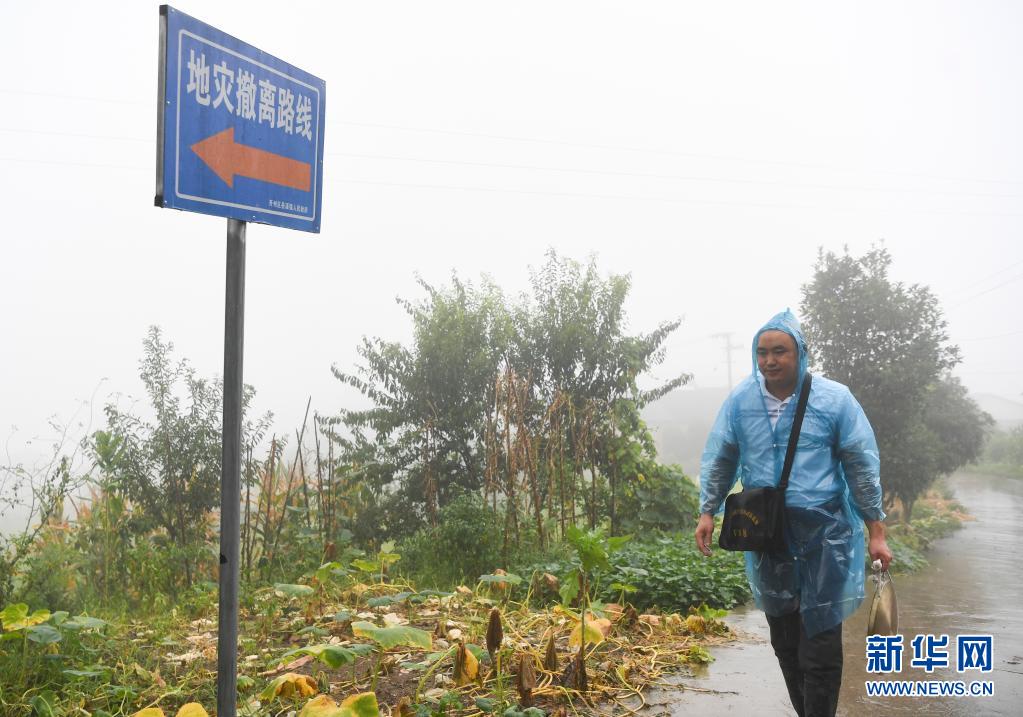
[[704, 533], [877, 546]]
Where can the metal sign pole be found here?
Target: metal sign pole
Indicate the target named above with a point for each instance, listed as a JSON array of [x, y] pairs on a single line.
[[207, 136], [230, 483]]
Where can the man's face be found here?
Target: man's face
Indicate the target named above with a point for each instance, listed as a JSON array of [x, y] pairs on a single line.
[[778, 359]]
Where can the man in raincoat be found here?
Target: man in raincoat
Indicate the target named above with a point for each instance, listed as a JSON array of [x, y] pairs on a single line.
[[834, 488]]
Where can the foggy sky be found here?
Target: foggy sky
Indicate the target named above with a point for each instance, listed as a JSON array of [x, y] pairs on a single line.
[[706, 149]]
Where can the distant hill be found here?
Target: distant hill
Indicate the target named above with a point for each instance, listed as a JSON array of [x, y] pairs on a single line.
[[681, 421], [1008, 413]]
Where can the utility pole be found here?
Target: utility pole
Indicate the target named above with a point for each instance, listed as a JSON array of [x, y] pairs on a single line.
[[729, 348]]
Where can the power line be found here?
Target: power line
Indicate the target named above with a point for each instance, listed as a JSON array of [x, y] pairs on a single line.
[[997, 336], [986, 291], [541, 140], [573, 170], [79, 98], [572, 195], [688, 178], [989, 276], [673, 200], [653, 150], [76, 135], [66, 163], [990, 373]]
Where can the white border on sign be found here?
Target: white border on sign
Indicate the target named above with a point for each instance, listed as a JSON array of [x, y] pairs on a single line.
[[177, 133]]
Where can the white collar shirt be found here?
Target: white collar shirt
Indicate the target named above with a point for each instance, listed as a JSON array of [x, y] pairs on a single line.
[[775, 406]]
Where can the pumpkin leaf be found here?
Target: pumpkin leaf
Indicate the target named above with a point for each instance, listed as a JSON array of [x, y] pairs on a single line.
[[45, 705], [388, 558], [510, 578], [293, 591], [43, 634], [467, 667], [16, 617], [313, 630], [360, 705], [327, 570], [192, 709], [388, 599], [363, 704], [290, 684], [569, 587], [331, 655], [699, 654], [319, 706], [486, 704], [388, 637], [84, 622], [710, 613], [594, 635]]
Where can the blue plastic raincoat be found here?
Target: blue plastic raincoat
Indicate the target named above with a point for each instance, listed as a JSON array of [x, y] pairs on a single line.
[[834, 485]]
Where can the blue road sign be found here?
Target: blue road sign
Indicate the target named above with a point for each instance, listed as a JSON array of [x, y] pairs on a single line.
[[239, 132]]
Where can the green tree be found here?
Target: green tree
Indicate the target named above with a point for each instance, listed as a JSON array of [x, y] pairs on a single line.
[[1005, 449], [169, 466], [887, 341], [523, 402], [957, 423], [429, 398], [571, 341]]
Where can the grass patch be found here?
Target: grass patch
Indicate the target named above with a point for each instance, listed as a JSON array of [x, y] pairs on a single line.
[[297, 644], [936, 515]]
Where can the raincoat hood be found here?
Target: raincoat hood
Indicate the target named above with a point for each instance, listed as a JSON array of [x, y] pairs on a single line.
[[784, 321]]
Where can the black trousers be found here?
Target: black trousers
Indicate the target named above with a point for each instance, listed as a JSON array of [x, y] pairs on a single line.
[[812, 666]]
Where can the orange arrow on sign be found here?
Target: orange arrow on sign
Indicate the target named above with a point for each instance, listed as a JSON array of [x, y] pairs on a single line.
[[227, 158]]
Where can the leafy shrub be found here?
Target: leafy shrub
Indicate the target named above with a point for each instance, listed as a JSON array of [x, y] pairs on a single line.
[[663, 499], [1005, 447], [908, 542], [906, 557], [671, 574], [169, 468], [50, 573], [465, 543], [668, 573]]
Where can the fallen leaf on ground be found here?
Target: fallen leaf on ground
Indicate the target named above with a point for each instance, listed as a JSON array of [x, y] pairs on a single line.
[[696, 624], [290, 684], [185, 658], [291, 666], [363, 704], [466, 666], [595, 632]]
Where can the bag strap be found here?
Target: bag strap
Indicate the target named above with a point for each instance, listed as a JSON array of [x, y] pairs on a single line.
[[797, 424]]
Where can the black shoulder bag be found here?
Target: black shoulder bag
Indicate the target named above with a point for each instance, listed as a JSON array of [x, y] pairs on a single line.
[[755, 517]]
